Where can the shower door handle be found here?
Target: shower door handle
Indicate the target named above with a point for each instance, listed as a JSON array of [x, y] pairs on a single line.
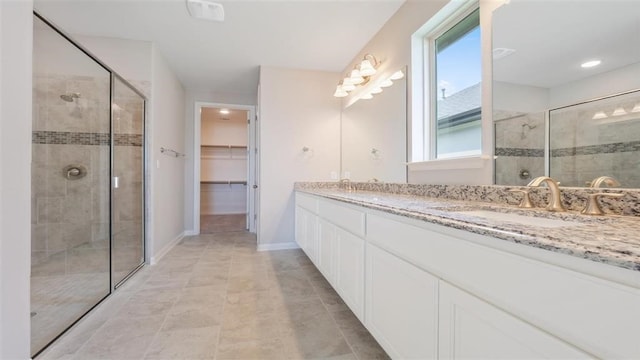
[[116, 182]]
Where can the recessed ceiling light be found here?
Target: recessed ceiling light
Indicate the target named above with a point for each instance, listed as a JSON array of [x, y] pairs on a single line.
[[224, 111], [205, 10], [590, 63]]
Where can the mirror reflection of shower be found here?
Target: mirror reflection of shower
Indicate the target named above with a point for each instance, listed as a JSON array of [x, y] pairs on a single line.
[[71, 97]]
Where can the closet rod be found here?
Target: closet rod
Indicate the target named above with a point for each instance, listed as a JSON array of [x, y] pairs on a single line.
[[228, 182]]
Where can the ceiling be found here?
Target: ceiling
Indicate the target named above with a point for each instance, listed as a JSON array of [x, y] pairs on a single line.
[[225, 56], [552, 39]]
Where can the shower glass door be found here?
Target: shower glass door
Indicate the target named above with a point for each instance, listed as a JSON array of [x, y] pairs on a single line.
[[70, 181], [128, 181]]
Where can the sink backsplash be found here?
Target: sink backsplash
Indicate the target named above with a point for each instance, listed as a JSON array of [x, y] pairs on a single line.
[[572, 198]]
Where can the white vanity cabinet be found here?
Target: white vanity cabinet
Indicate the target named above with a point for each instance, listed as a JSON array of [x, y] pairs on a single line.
[[432, 291], [338, 250]]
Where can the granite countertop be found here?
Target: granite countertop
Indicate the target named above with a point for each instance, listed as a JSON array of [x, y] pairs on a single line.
[[611, 239]]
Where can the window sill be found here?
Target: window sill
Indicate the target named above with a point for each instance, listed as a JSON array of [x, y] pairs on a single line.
[[471, 162]]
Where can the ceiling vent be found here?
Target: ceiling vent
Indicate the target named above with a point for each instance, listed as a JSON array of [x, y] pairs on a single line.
[[205, 10], [499, 53]]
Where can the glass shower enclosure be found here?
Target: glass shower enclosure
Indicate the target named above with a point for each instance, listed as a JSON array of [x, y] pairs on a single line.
[[87, 183]]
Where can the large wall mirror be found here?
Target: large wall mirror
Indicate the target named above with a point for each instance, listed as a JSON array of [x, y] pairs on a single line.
[[563, 79], [374, 136]]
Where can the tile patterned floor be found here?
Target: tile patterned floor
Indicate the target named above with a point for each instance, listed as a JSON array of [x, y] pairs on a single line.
[[215, 297], [211, 224]]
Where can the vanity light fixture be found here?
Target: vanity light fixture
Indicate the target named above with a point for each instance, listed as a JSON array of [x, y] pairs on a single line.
[[619, 111], [340, 92], [590, 64], [599, 115], [367, 96], [359, 76], [366, 67], [355, 77], [224, 111], [397, 75], [347, 85], [636, 108], [386, 83], [376, 90]]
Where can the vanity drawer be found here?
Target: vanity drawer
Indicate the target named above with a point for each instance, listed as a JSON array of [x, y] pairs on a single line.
[[307, 201], [343, 216]]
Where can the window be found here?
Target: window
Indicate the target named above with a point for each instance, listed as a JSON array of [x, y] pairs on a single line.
[[455, 97]]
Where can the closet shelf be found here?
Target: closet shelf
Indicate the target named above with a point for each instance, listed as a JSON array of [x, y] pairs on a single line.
[[227, 182], [224, 146]]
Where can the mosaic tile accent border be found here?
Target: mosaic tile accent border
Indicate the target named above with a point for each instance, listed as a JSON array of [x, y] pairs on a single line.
[[82, 138], [519, 152], [579, 150], [128, 140], [597, 149]]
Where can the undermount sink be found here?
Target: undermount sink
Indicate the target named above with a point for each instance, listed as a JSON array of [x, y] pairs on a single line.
[[520, 219]]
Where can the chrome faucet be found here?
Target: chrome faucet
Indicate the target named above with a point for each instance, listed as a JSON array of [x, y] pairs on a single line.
[[555, 201], [607, 180], [346, 181]]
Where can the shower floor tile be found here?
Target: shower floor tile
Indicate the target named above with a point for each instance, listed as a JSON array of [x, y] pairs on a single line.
[[215, 297]]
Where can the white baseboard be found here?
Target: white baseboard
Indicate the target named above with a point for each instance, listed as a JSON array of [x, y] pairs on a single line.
[[160, 254], [191, 232], [278, 246]]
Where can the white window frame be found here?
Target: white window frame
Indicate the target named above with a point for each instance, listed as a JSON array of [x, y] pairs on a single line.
[[431, 92], [422, 144]]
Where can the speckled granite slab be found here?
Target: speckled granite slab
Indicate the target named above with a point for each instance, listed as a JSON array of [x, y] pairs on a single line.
[[613, 240]]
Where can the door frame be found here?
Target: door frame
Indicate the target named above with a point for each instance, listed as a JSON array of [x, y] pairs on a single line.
[[251, 174]]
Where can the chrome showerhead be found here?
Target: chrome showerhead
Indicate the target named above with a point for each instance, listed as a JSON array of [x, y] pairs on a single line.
[[70, 97]]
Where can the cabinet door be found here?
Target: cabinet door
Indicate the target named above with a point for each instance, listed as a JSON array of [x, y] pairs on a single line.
[[326, 249], [311, 237], [472, 328], [349, 257], [301, 226], [401, 306], [306, 231]]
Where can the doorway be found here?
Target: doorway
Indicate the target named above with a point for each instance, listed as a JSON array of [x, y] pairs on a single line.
[[224, 189]]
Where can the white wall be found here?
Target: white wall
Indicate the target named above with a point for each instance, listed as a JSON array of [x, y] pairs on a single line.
[[191, 97], [609, 83], [297, 109], [167, 129], [16, 26], [520, 98]]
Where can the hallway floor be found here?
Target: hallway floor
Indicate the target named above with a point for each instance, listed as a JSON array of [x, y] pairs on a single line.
[[211, 224], [215, 297]]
